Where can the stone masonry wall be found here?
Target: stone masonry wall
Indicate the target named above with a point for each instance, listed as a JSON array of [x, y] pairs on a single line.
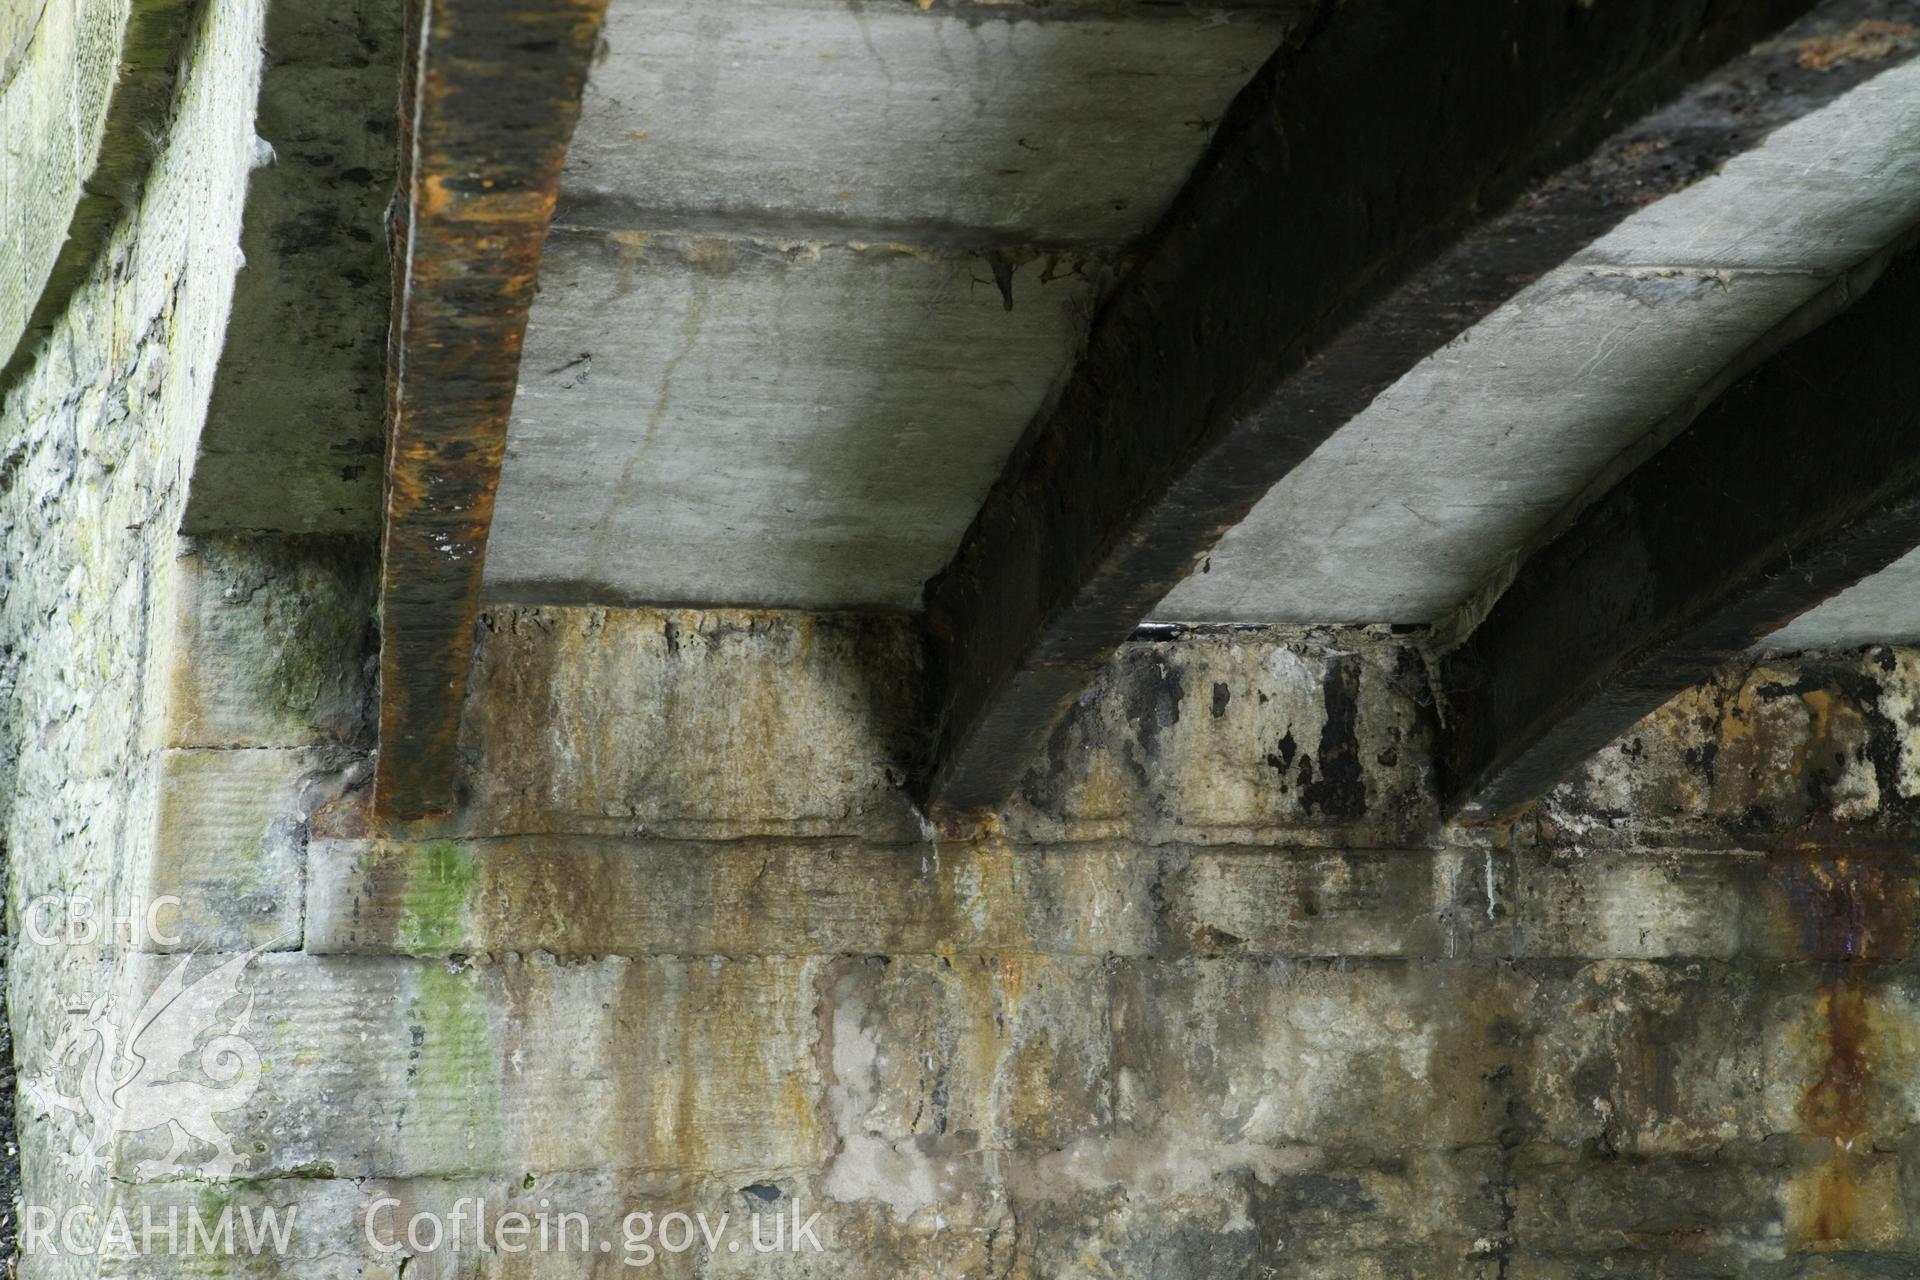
[[1213, 998], [95, 440]]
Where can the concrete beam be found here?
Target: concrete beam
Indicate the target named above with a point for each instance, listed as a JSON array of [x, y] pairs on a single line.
[[296, 423], [1014, 125], [490, 95], [1882, 609], [1429, 498], [1799, 481], [1341, 229]]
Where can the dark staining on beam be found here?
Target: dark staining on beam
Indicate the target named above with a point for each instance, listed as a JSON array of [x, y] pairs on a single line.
[[152, 52], [1395, 173], [1799, 481], [491, 90], [1325, 772], [1706, 764], [295, 426], [1848, 688]]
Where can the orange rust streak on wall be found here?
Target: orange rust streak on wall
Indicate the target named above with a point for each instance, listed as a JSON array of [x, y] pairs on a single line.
[[1835, 1107], [491, 96], [1852, 913]]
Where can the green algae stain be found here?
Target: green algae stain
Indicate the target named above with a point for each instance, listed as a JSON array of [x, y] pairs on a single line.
[[440, 885], [318, 621], [453, 1069], [213, 1199], [210, 1246]]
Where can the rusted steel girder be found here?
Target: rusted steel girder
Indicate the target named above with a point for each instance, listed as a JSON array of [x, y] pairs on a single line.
[[490, 93]]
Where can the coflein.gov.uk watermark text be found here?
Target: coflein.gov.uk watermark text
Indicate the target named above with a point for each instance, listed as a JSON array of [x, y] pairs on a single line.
[[641, 1237]]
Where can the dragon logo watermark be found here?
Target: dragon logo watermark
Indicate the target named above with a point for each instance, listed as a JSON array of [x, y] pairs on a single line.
[[182, 1059]]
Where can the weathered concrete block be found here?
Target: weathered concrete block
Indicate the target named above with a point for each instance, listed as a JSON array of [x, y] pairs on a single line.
[[1765, 1203], [1636, 906], [1248, 1055], [600, 896], [1802, 905], [585, 1225], [1648, 1058], [402, 1068], [590, 896], [1704, 1263], [1329, 903], [1600, 1206], [684, 724], [1820, 745], [931, 1056], [1674, 1059], [1292, 1211], [230, 844], [267, 700], [194, 1230], [1239, 738], [271, 641]]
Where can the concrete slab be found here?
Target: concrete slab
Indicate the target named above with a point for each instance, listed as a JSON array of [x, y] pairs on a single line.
[[1455, 472], [1882, 609], [816, 266], [1062, 123], [705, 420]]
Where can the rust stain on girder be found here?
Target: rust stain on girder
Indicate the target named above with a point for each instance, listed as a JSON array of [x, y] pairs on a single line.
[[494, 88]]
